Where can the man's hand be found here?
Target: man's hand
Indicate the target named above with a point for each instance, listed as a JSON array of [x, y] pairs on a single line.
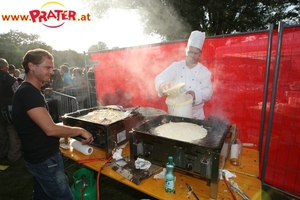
[[88, 137]]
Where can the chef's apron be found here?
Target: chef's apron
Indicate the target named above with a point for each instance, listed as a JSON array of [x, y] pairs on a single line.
[[198, 112]]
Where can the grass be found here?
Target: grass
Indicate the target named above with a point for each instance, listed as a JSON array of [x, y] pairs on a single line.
[[17, 183]]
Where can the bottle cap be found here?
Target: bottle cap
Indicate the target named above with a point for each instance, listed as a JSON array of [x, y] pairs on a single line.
[[170, 159]]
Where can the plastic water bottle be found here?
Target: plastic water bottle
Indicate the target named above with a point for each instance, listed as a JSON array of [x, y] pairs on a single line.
[[170, 176]]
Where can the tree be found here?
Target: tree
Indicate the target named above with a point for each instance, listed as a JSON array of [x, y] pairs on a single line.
[[71, 57], [15, 44], [98, 47], [175, 19]]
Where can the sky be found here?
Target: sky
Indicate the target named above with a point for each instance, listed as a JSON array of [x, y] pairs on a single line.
[[120, 28]]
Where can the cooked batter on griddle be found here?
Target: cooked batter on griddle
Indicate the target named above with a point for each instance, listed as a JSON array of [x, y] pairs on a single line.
[[103, 116], [181, 131]]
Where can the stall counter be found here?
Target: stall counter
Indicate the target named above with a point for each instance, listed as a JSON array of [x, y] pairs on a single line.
[[251, 186]]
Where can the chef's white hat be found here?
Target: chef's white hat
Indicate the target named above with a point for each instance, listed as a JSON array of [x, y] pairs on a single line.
[[196, 39]]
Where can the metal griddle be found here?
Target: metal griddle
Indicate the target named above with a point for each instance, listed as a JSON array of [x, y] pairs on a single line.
[[216, 129], [197, 158], [106, 136]]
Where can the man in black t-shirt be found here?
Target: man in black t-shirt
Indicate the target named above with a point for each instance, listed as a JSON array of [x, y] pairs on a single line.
[[10, 145], [37, 131]]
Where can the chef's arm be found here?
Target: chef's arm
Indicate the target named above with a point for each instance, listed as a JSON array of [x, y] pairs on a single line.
[[162, 81], [204, 93], [163, 87]]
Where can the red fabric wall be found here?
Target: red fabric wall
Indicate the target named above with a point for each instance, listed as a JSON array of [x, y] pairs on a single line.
[[238, 65]]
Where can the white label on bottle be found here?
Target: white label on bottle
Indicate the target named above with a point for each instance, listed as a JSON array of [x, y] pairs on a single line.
[[235, 151], [169, 185]]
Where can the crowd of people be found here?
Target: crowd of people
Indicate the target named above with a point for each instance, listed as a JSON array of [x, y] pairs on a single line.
[[71, 81]]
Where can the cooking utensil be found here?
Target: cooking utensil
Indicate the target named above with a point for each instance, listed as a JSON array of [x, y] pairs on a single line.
[[128, 112], [191, 190], [88, 160], [228, 186], [103, 120], [236, 188]]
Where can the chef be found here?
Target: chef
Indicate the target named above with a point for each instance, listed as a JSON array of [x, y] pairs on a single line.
[[197, 77]]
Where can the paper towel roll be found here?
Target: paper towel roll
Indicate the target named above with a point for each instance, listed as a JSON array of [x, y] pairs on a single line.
[[85, 149]]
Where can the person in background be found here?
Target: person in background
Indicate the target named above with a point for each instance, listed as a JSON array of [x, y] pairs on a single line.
[[11, 69], [92, 85], [38, 133], [16, 73], [57, 82], [79, 79], [10, 145], [71, 71], [64, 71], [91, 77], [197, 77], [80, 85], [22, 74]]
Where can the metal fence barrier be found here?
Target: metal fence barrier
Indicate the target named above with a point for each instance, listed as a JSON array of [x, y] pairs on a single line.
[[66, 103]]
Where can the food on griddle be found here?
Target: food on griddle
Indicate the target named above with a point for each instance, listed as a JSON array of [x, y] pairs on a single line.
[[103, 116], [148, 112], [182, 131]]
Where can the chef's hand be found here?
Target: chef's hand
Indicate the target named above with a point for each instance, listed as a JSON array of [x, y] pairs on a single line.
[[162, 88], [191, 93]]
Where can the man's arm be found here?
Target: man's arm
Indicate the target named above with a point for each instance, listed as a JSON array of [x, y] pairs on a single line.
[[43, 119]]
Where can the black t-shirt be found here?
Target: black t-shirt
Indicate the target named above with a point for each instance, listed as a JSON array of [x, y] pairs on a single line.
[[37, 146]]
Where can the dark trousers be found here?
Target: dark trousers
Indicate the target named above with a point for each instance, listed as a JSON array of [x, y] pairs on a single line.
[[4, 139], [50, 180], [10, 144]]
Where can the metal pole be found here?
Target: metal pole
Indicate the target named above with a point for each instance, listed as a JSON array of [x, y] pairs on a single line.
[[88, 81], [265, 94], [273, 101]]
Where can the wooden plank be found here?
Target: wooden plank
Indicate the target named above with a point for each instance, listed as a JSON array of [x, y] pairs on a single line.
[[249, 164]]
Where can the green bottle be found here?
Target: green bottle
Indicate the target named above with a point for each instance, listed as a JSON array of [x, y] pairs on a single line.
[[170, 176]]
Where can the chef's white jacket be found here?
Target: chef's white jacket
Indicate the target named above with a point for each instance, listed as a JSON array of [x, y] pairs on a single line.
[[197, 79]]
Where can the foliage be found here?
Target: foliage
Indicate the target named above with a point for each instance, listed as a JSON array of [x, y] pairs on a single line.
[[15, 44], [71, 57], [99, 47], [175, 19]]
